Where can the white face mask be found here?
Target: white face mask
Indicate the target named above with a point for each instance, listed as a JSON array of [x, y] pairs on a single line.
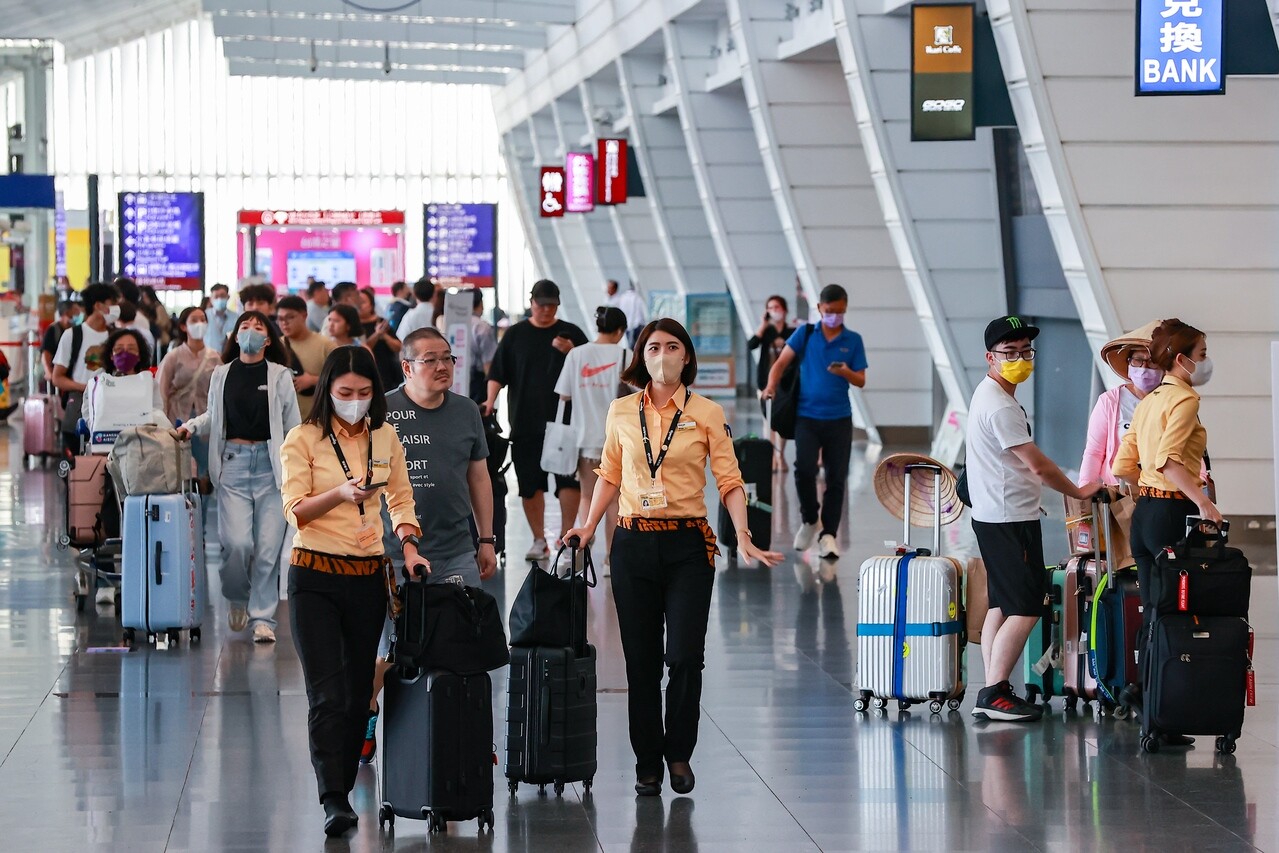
[[351, 411], [113, 315], [1202, 374], [196, 331], [777, 316], [665, 368]]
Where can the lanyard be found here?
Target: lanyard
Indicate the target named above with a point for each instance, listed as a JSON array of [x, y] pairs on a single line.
[[346, 469], [653, 467]]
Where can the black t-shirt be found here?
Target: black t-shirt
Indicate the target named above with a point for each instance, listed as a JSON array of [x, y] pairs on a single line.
[[245, 401], [768, 350], [52, 335], [529, 367], [386, 359]]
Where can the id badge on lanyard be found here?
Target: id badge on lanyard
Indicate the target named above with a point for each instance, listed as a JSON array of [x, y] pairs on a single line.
[[654, 497], [366, 536]]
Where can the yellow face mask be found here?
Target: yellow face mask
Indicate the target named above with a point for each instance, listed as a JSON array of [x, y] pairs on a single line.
[[1016, 372]]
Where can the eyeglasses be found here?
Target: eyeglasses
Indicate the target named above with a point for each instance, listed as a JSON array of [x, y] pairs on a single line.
[[1014, 355], [1139, 361], [433, 362]]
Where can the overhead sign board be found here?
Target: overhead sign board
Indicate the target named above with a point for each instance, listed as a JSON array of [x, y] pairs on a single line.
[[461, 244], [320, 218], [551, 191], [579, 177], [941, 78], [162, 239], [1180, 47], [610, 171]]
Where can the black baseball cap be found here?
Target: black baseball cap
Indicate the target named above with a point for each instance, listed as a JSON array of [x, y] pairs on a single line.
[[546, 292], [1008, 329]]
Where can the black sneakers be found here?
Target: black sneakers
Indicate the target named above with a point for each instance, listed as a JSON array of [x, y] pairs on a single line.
[[999, 702]]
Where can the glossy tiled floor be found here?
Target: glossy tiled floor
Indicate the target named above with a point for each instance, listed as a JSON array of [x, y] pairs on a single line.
[[204, 748]]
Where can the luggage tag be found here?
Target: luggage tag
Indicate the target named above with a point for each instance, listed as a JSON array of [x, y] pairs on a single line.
[[1252, 674], [1183, 591]]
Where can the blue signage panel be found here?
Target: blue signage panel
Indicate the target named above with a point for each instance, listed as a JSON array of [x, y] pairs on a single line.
[[461, 244], [161, 237], [1179, 47]]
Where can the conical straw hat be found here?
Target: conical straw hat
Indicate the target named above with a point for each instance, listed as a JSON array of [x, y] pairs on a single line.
[[890, 488]]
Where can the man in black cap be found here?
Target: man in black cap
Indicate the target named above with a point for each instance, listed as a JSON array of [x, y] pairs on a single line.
[[1006, 474], [528, 362]]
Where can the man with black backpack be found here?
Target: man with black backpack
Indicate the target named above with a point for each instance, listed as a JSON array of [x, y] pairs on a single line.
[[831, 358], [79, 353]]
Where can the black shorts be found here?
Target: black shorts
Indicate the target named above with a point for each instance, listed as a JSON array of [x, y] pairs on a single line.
[[1016, 579], [526, 457]]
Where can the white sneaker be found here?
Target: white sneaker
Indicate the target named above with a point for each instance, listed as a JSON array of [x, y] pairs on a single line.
[[805, 537], [105, 596], [263, 634], [238, 618], [539, 551], [827, 548]]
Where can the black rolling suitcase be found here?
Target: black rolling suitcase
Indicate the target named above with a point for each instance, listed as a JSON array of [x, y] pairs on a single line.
[[437, 748], [551, 711], [755, 459], [498, 446], [1197, 662]]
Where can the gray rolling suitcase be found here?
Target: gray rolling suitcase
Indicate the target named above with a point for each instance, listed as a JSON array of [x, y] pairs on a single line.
[[910, 622]]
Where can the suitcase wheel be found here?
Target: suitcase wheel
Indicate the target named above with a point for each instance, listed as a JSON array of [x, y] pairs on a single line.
[[129, 635], [435, 824], [486, 820], [860, 704], [880, 703], [559, 789], [541, 790], [586, 787], [935, 707], [1121, 712], [195, 638], [1226, 745], [513, 787], [385, 815], [1150, 743], [954, 704]]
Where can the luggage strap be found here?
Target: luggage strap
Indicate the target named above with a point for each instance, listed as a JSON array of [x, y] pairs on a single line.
[[899, 624], [911, 629]]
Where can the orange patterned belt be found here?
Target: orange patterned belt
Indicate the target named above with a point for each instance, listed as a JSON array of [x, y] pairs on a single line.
[[1151, 492], [668, 525], [333, 564]]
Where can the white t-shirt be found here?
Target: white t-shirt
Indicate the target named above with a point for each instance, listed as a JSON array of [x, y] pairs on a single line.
[[417, 317], [90, 350], [1001, 485], [590, 376], [1127, 408]]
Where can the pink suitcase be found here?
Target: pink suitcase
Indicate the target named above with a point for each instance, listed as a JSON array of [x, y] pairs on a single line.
[[40, 420], [1077, 601], [86, 478]]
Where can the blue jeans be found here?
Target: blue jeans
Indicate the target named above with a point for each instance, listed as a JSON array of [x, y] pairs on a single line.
[[251, 526]]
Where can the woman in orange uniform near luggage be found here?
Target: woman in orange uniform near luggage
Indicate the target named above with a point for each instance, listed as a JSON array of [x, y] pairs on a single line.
[[1161, 454], [337, 465], [663, 554]]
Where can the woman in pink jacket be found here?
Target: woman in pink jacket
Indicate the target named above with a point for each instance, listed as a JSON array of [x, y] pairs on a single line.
[[1129, 357]]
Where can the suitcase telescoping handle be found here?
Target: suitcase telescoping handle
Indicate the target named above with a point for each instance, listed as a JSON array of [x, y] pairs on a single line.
[[580, 562], [910, 472], [1102, 520]]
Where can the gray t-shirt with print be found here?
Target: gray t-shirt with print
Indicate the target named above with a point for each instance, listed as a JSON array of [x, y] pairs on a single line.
[[439, 445]]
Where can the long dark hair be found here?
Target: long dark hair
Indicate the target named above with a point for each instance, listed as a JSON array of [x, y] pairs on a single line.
[[275, 350], [350, 316], [1171, 339], [343, 360], [144, 350], [637, 374], [180, 335]]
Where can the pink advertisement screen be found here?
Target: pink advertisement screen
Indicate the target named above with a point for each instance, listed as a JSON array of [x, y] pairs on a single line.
[[367, 256]]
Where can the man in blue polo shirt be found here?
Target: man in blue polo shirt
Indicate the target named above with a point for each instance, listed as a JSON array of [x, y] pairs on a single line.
[[831, 358]]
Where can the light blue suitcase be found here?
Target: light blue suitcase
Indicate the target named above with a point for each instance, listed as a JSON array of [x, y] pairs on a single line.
[[163, 585]]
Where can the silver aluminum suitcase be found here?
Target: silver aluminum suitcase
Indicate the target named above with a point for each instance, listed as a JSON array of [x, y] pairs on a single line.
[[910, 621]]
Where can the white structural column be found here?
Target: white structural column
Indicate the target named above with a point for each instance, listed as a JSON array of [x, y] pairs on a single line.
[[582, 274], [597, 234], [826, 202], [523, 167], [938, 199], [647, 264], [1161, 207], [729, 174], [667, 171]]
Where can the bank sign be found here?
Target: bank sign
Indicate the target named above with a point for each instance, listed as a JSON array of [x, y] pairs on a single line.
[[941, 79], [1179, 47]]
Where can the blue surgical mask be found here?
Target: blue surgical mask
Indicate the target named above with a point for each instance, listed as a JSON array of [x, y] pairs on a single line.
[[251, 341], [219, 303]]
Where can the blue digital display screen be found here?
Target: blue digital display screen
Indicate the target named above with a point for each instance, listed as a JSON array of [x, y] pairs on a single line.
[[1179, 47], [162, 240], [461, 244]]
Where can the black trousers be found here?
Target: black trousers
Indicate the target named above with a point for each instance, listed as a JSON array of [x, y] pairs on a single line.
[[1156, 524], [834, 441], [337, 624], [662, 581]]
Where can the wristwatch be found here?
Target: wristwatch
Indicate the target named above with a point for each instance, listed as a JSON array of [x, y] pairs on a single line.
[[488, 540], [412, 540]]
